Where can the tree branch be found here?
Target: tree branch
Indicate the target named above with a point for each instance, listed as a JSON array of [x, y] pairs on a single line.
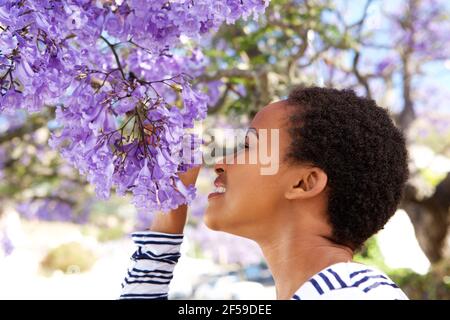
[[219, 104], [116, 56], [361, 79], [300, 53], [227, 73]]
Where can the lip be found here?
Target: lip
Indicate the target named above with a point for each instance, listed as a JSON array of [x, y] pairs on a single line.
[[218, 182], [215, 194]]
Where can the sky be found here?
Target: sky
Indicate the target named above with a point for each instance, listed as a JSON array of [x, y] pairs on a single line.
[[435, 83]]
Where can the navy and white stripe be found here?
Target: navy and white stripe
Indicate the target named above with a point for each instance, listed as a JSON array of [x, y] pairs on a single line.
[[157, 254], [350, 281], [152, 266]]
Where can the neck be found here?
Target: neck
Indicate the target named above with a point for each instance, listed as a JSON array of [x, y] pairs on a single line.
[[294, 256]]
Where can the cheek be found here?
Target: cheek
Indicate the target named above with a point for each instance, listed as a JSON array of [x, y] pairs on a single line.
[[246, 203], [245, 190], [260, 197], [238, 202]]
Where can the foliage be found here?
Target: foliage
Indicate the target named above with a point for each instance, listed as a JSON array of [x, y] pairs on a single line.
[[370, 254], [433, 285]]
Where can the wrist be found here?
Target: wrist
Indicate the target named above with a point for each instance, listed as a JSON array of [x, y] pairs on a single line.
[[172, 222]]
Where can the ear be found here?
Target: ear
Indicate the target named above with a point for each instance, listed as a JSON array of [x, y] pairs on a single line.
[[308, 183]]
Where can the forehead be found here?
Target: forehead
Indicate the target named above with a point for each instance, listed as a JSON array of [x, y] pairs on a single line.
[[274, 115]]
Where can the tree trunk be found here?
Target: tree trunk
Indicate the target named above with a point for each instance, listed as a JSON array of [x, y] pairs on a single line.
[[430, 217], [407, 115]]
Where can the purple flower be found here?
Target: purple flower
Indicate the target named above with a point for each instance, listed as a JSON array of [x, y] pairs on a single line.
[[384, 65], [6, 244], [144, 177], [125, 105], [214, 91], [112, 69], [45, 209], [195, 105], [10, 102]]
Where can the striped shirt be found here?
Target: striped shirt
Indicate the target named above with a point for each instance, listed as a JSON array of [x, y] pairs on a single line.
[[154, 260], [349, 281]]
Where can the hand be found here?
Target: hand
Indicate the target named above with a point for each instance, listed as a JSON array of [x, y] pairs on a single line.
[[174, 221], [190, 176]]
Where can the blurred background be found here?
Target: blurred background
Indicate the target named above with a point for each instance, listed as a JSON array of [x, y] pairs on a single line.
[[57, 241]]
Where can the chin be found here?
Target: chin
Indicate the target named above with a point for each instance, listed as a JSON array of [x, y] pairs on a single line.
[[211, 222]]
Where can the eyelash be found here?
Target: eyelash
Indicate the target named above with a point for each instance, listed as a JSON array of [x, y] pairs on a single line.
[[242, 146], [246, 145]]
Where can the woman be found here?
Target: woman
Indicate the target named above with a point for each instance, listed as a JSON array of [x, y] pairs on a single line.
[[341, 171]]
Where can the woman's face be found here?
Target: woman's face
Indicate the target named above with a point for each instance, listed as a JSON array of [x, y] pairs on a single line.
[[254, 190]]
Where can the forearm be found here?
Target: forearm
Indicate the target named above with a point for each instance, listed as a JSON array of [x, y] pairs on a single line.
[[158, 250], [151, 270], [172, 222]]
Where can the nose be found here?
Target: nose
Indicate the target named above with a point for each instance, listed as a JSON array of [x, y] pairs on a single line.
[[219, 167]]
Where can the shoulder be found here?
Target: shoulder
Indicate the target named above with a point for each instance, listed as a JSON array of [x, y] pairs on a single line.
[[350, 281], [352, 293]]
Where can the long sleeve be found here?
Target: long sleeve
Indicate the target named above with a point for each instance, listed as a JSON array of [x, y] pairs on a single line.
[[152, 265]]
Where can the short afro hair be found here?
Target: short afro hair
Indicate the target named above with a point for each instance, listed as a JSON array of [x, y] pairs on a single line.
[[357, 145]]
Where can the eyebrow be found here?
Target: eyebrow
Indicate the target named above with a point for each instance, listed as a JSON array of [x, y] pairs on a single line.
[[253, 130]]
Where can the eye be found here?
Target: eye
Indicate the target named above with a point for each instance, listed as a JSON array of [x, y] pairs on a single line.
[[241, 145], [244, 144]]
